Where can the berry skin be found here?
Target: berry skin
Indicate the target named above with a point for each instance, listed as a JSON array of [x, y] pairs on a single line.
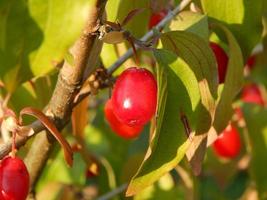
[[228, 143], [252, 94], [119, 128], [14, 179], [134, 97], [251, 62], [222, 60], [155, 18]]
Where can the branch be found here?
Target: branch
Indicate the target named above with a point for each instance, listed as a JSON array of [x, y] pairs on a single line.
[[69, 82], [149, 35]]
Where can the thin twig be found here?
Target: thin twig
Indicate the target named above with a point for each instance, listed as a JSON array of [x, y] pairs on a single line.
[[114, 192], [149, 35]]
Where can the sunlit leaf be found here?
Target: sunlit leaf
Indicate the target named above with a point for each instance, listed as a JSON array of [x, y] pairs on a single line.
[[197, 54], [233, 81], [177, 93], [35, 35], [139, 24], [192, 22], [242, 17]]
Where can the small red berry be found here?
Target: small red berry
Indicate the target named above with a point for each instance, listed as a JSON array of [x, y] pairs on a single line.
[[228, 143], [251, 62], [121, 129], [155, 18], [252, 94], [14, 179], [222, 60], [134, 97]]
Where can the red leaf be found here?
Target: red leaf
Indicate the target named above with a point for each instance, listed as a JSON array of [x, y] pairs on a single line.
[[52, 129]]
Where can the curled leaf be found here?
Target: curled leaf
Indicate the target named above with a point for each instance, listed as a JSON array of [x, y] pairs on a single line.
[[52, 129]]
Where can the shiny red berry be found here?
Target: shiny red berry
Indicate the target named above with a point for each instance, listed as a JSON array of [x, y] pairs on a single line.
[[228, 143], [134, 97], [155, 18], [121, 129], [14, 179], [252, 94], [222, 60]]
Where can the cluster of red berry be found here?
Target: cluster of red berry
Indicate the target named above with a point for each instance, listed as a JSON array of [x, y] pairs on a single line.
[[133, 102], [228, 144], [14, 179]]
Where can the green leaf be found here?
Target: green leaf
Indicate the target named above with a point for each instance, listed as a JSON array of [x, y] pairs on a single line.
[[35, 35], [233, 81], [139, 24], [192, 22], [112, 8], [242, 17], [255, 117], [164, 188], [197, 54], [177, 93], [34, 93], [57, 170], [199, 57], [108, 54]]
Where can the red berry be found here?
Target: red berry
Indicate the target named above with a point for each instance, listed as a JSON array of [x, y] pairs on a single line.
[[228, 143], [251, 62], [155, 18], [252, 94], [134, 97], [121, 129], [14, 179], [222, 60]]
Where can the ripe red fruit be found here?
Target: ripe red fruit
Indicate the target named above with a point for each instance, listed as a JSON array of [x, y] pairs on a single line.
[[14, 179], [134, 97], [155, 18], [251, 62], [222, 60], [228, 143], [121, 129], [252, 94]]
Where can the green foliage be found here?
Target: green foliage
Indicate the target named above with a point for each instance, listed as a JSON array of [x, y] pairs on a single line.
[[242, 17], [169, 142], [191, 22], [57, 171], [35, 35], [233, 82], [255, 118]]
